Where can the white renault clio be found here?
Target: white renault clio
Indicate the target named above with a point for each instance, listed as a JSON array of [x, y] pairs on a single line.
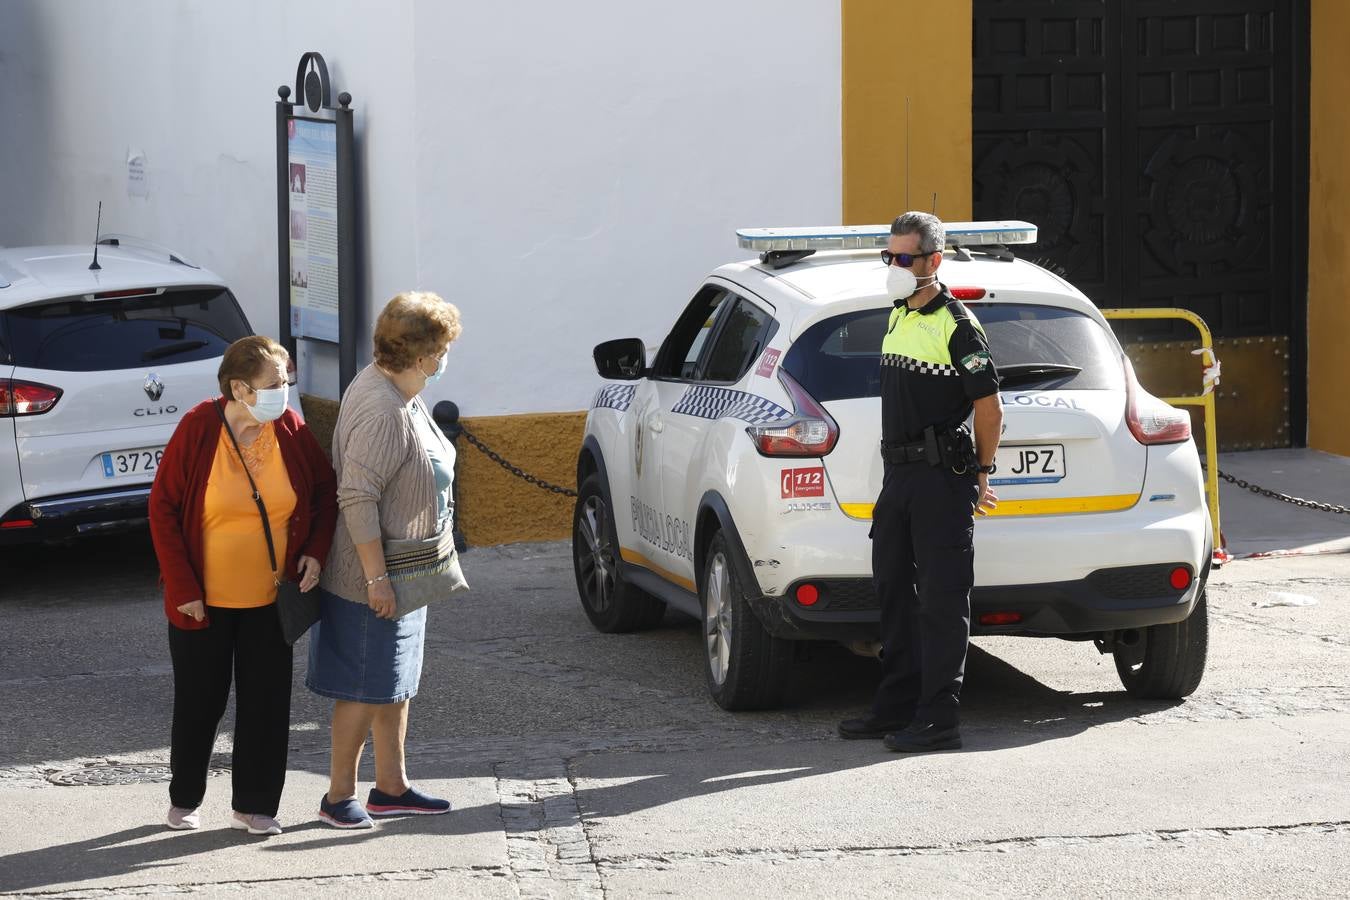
[[733, 476], [97, 365]]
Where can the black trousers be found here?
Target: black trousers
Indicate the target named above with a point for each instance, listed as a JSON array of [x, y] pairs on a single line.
[[923, 566], [245, 644]]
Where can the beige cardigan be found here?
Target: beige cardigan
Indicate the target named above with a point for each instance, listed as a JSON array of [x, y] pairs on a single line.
[[386, 486]]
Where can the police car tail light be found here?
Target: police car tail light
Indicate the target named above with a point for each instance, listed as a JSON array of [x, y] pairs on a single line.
[[26, 398], [1152, 421], [811, 432], [967, 293]]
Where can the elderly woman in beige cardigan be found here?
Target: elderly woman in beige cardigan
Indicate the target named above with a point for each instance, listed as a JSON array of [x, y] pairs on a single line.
[[394, 470]]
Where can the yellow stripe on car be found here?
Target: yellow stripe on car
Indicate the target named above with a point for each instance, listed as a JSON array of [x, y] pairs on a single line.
[[637, 559], [1054, 506]]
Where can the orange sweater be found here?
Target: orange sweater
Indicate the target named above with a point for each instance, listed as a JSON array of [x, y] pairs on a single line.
[[238, 573]]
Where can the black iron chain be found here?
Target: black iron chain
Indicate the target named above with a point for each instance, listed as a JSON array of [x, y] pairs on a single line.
[[1276, 495], [568, 492], [514, 470]]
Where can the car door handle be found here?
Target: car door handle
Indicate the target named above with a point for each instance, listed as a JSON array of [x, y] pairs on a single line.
[[655, 424]]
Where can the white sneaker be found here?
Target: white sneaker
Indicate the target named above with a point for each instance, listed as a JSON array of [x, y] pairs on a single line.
[[180, 819], [257, 823]]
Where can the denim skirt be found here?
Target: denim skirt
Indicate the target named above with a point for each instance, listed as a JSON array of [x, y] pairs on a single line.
[[355, 655]]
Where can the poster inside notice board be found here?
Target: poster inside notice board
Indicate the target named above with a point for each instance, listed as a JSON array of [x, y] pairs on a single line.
[[313, 192]]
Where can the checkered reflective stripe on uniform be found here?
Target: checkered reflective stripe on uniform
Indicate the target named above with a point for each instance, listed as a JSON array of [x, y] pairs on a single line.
[[614, 396], [917, 365], [724, 403]]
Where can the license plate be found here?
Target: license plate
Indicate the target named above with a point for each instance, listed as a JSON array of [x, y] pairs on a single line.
[[127, 463], [1034, 464]]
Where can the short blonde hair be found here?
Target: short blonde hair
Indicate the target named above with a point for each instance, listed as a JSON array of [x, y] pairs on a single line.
[[247, 358], [413, 324]]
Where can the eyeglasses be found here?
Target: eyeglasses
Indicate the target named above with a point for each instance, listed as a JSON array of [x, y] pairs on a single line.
[[903, 260]]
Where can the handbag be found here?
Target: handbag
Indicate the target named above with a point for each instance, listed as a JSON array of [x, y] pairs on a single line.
[[422, 570], [296, 610]]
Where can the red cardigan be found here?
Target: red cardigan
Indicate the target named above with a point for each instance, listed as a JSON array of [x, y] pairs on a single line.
[[179, 495]]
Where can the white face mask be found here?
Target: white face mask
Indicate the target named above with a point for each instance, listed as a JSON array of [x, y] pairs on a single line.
[[440, 370], [900, 283], [271, 403]]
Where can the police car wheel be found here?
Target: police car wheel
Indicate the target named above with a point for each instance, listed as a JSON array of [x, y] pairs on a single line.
[[1168, 661], [610, 603], [745, 665]]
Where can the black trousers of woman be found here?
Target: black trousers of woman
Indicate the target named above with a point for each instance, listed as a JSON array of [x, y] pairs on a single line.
[[246, 645]]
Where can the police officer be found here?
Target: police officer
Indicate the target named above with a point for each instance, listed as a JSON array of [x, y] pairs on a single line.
[[935, 368]]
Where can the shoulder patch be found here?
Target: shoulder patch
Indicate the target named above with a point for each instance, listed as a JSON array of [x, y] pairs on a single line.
[[976, 362]]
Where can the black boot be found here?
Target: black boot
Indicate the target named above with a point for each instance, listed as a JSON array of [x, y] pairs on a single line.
[[923, 737], [869, 728]]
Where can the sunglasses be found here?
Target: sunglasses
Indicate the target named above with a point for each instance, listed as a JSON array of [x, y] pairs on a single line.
[[903, 260]]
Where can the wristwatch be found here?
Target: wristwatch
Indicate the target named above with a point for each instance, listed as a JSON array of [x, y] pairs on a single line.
[[987, 470], [370, 581]]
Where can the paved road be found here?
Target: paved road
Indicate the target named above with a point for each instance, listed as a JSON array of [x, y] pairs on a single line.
[[593, 765]]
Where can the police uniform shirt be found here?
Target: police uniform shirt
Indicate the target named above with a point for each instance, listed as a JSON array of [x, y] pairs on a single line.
[[934, 364]]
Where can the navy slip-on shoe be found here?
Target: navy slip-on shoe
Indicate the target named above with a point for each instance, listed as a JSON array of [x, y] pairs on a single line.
[[411, 802], [344, 814]]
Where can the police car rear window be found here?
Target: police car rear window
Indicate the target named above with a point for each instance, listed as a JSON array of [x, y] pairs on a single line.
[[77, 335], [839, 358]]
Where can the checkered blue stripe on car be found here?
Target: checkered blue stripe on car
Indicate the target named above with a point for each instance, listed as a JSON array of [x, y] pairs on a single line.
[[614, 396], [724, 403], [917, 365]]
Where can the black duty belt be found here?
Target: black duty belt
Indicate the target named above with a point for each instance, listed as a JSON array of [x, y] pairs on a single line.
[[895, 452]]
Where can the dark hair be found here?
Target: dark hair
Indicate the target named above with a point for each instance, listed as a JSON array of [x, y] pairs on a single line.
[[932, 233], [247, 358]]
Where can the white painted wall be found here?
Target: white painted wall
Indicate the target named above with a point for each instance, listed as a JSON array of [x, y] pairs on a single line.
[[564, 173]]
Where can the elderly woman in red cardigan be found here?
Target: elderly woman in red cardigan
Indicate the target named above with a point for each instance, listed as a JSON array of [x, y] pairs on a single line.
[[219, 586]]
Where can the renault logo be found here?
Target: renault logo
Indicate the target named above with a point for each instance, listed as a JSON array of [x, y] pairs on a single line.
[[154, 388]]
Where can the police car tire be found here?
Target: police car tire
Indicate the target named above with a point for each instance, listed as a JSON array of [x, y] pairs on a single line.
[[629, 607], [1173, 659], [758, 662]]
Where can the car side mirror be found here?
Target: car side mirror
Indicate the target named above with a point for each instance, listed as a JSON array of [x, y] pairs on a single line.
[[621, 360]]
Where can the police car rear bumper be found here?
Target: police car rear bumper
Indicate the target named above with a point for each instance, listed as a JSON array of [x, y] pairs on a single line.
[[1110, 599]]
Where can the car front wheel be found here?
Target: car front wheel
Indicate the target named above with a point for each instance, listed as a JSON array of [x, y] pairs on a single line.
[[746, 666], [1167, 661], [612, 604]]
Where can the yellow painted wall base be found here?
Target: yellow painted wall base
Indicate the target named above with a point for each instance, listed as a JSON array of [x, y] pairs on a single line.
[[496, 507]]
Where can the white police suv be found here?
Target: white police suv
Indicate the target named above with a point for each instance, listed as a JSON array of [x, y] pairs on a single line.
[[97, 365], [733, 476]]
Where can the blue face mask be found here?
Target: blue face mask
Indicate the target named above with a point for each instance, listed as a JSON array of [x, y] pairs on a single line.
[[271, 403], [440, 370]]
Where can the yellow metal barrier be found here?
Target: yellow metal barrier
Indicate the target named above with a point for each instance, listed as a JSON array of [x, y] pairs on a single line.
[[1204, 399]]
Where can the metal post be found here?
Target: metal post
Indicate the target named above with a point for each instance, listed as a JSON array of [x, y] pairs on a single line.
[[350, 303], [284, 109], [446, 414]]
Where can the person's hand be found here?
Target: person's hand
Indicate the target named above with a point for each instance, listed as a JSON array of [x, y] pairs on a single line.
[[988, 499], [380, 596], [194, 610], [309, 569]]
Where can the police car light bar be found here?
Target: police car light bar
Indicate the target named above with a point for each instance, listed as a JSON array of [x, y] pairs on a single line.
[[874, 237]]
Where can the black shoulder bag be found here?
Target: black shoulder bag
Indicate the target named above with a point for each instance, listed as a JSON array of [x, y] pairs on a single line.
[[296, 610]]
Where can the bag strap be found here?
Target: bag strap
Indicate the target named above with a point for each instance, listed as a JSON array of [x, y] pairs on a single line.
[[257, 497]]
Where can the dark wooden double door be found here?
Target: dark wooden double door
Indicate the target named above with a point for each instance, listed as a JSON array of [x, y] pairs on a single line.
[[1161, 148]]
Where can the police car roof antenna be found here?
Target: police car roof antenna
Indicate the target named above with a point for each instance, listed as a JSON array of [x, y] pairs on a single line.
[[906, 153], [98, 225]]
